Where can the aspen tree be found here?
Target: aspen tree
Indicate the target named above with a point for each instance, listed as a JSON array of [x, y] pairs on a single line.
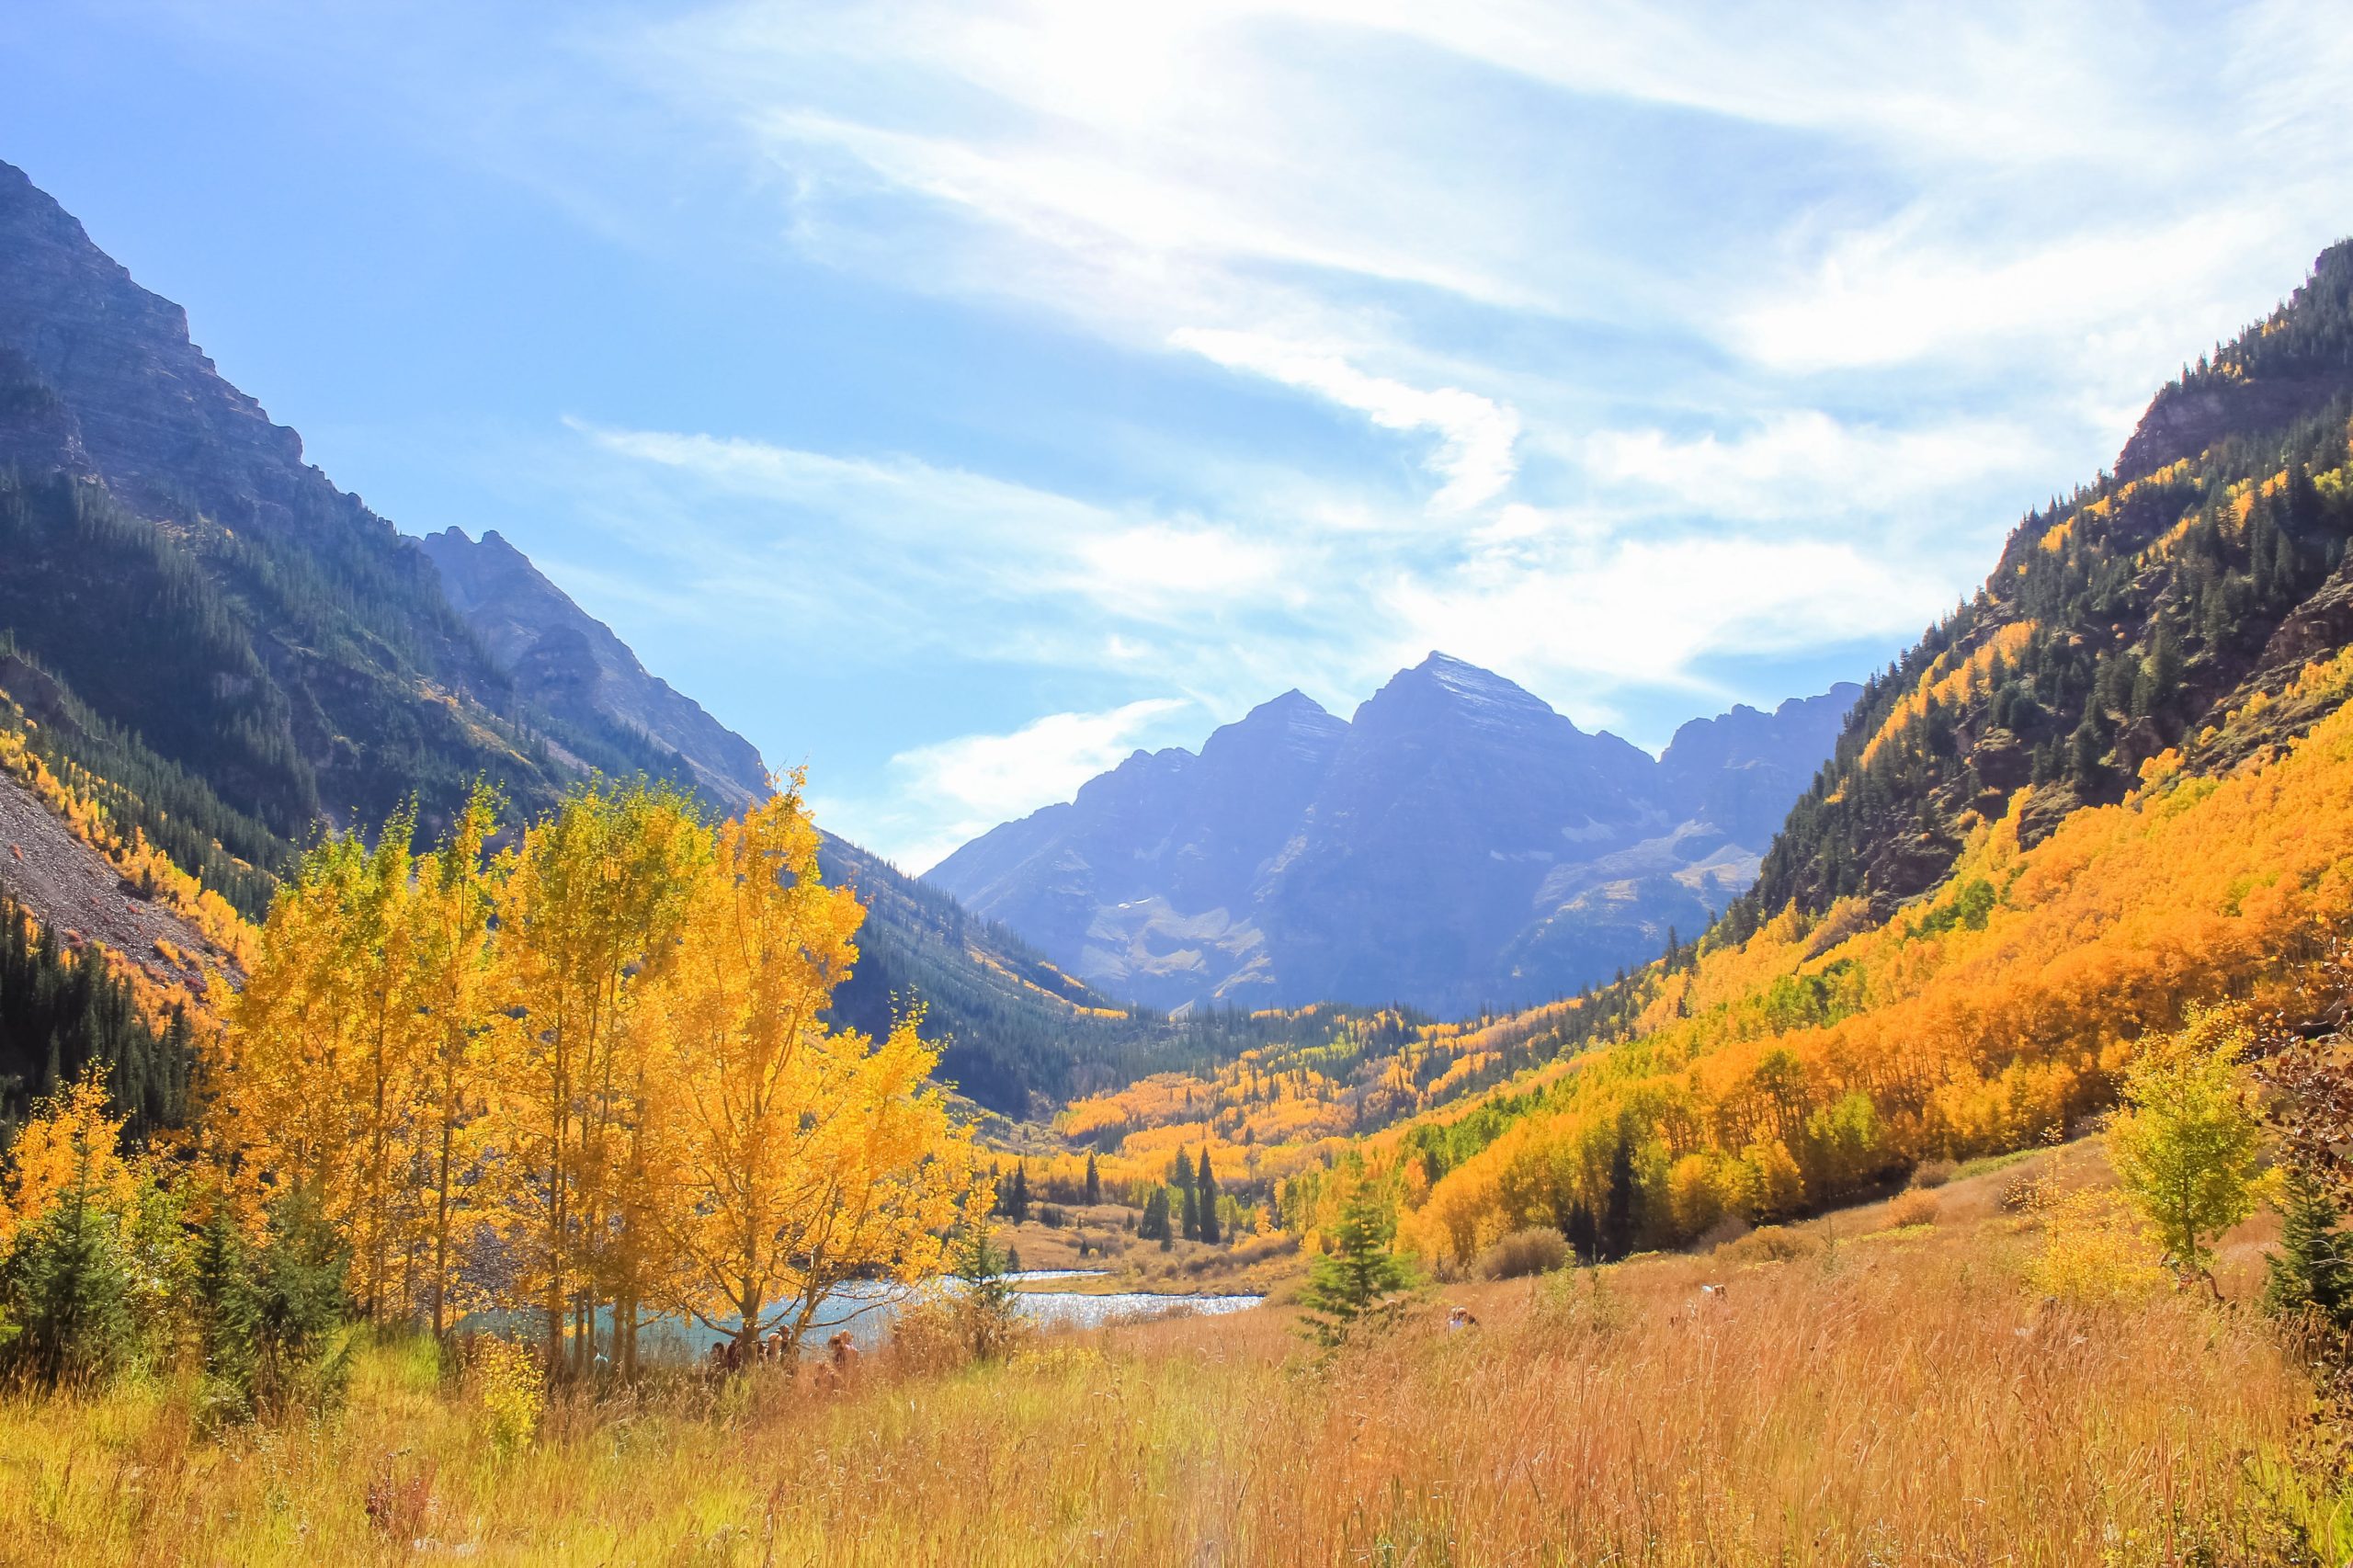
[[801, 1157]]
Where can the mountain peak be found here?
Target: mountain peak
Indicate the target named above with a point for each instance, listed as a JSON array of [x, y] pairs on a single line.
[[1444, 686]]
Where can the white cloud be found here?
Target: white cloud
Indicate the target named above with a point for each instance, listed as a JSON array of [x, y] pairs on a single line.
[[1475, 435], [1804, 464], [1716, 330], [972, 783], [1149, 565], [1645, 611]]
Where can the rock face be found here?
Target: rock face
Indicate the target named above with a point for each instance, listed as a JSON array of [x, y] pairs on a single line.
[[269, 631], [572, 665], [1457, 843]]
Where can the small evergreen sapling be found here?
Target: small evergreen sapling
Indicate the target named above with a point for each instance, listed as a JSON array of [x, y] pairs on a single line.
[[1360, 1284]]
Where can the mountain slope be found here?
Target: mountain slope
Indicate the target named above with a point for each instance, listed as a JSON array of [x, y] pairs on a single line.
[[177, 565], [1456, 844], [573, 666], [2118, 624], [225, 653], [2116, 785]]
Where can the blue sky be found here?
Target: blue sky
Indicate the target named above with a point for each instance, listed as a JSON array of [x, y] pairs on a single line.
[[953, 398]]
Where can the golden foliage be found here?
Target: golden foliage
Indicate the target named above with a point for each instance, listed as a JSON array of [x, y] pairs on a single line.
[[1996, 1014], [599, 1060]]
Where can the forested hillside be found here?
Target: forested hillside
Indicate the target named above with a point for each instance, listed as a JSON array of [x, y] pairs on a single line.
[[2115, 785], [2119, 623]]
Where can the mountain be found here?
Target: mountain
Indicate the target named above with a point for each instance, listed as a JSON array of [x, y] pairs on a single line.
[[205, 640], [2125, 623], [572, 665], [1456, 844]]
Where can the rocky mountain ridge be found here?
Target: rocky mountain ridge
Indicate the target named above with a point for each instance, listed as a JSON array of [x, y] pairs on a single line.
[[1455, 845]]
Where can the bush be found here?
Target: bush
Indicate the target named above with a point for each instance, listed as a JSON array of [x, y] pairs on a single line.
[[1539, 1249], [2095, 1249], [2024, 1192], [507, 1382], [1931, 1175], [1913, 1208], [1725, 1232], [1774, 1243]]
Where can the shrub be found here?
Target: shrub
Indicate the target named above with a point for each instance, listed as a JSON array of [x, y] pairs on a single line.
[[2024, 1193], [1929, 1175], [1774, 1243], [1723, 1233], [1539, 1249], [2095, 1249], [507, 1384], [1913, 1208]]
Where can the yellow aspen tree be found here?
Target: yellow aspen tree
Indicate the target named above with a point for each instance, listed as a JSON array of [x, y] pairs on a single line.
[[73, 1139], [798, 1158], [452, 911], [381, 979], [322, 1056], [587, 908], [279, 1087]]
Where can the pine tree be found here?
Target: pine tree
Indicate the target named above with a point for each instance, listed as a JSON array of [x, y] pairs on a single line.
[[1207, 1229], [1016, 1201], [1619, 1223], [988, 1308], [2314, 1268], [1093, 1182], [69, 1291], [1155, 1226], [1356, 1286]]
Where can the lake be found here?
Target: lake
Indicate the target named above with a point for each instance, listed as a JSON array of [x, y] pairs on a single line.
[[866, 1310]]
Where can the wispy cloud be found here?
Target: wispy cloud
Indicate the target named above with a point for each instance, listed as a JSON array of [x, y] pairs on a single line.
[[952, 790], [1475, 435]]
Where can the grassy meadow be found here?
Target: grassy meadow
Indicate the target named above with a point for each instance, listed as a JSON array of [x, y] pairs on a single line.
[[1861, 1392]]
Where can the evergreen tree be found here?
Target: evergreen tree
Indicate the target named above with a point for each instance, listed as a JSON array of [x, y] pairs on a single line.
[[1357, 1284], [69, 1291], [1619, 1221], [1188, 1204], [1583, 1235], [1093, 1182], [1155, 1226], [2314, 1268], [1208, 1230], [266, 1317], [1016, 1202], [988, 1308]]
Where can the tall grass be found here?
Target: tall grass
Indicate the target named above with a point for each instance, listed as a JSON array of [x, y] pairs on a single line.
[[1897, 1397]]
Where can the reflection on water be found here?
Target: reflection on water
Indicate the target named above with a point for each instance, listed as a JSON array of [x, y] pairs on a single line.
[[866, 1308]]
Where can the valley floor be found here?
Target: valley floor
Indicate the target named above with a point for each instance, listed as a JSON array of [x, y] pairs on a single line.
[[1857, 1392]]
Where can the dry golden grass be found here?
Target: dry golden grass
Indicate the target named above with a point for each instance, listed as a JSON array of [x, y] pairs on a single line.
[[1893, 1395]]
